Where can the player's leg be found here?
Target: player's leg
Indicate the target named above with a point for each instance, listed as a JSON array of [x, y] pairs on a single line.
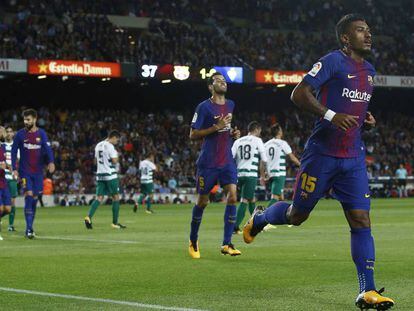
[[206, 179], [113, 186], [352, 190], [311, 184], [228, 179], [149, 191], [101, 191], [12, 185], [241, 209], [27, 185]]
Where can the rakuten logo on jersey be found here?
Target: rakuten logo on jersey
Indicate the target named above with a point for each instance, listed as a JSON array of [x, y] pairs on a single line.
[[356, 96]]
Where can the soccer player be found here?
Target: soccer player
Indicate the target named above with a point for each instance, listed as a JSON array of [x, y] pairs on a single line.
[[11, 180], [249, 152], [107, 182], [276, 151], [34, 148], [146, 168], [5, 201], [334, 155], [212, 124]]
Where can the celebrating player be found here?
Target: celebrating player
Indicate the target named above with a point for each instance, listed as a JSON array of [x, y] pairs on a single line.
[[146, 168], [248, 151], [334, 155], [276, 151], [34, 147], [11, 180], [212, 124], [107, 182]]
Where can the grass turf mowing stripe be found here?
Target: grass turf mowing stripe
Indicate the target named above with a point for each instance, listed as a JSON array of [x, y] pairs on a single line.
[[102, 300], [61, 238]]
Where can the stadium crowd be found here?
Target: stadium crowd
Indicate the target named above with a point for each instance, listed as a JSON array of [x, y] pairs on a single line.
[[265, 33], [74, 134]]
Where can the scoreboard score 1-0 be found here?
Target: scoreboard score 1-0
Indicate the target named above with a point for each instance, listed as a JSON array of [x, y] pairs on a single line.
[[187, 73]]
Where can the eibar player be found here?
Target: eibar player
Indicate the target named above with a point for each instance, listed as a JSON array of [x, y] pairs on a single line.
[[212, 124], [276, 151], [11, 180], [146, 168], [107, 182], [334, 155], [249, 153], [34, 148]]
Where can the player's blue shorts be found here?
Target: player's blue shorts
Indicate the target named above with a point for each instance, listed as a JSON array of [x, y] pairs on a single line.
[[345, 178], [207, 178], [5, 197], [32, 182]]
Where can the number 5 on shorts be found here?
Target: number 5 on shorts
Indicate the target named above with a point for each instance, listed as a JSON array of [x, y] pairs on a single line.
[[308, 182]]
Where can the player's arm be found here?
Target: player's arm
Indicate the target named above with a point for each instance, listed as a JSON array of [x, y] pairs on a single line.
[[369, 121], [201, 133], [263, 161], [294, 159], [49, 153], [17, 141], [234, 149]]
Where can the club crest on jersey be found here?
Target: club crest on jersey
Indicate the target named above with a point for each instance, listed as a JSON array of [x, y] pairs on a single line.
[[370, 80], [315, 69]]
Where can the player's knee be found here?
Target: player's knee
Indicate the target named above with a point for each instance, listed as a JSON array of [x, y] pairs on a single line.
[[359, 220], [202, 202], [297, 219], [99, 198], [232, 199]]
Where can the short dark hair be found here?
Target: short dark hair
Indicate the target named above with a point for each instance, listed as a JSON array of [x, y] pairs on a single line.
[[29, 112], [210, 79], [114, 133], [8, 127], [342, 26], [254, 125], [275, 129]]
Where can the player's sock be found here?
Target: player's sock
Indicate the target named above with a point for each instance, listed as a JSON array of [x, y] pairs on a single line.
[[195, 222], [274, 215], [93, 208], [34, 205], [11, 215], [115, 212], [148, 201], [252, 206], [271, 202], [363, 254], [229, 222], [241, 211], [28, 212], [141, 196]]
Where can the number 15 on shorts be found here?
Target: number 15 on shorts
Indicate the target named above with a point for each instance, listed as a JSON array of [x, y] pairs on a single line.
[[308, 182]]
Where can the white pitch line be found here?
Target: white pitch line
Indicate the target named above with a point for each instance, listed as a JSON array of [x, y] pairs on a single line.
[[86, 240], [118, 302]]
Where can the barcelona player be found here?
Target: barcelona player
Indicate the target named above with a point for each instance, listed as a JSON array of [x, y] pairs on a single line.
[[334, 156], [34, 148], [212, 124]]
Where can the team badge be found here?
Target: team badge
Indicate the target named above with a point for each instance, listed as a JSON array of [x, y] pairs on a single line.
[[181, 72], [370, 80], [315, 69]]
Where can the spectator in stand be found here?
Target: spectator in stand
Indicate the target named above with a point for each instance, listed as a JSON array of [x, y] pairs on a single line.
[[401, 175]]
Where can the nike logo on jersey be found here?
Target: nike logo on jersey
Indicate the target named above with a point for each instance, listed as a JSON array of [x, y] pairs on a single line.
[[367, 196], [350, 76]]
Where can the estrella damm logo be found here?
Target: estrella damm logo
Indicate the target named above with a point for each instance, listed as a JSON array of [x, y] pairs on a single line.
[[201, 182]]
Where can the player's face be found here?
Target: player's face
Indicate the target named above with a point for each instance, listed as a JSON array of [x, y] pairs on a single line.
[[9, 134], [360, 38], [29, 122], [115, 140], [219, 85]]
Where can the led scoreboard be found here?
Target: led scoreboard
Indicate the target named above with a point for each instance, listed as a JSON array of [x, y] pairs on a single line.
[[187, 73]]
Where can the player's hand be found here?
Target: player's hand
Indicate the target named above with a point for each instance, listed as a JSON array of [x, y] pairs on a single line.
[[370, 120], [16, 175], [235, 133], [51, 168], [223, 122], [263, 181], [345, 121]]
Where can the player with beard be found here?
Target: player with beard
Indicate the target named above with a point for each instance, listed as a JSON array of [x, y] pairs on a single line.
[[34, 148]]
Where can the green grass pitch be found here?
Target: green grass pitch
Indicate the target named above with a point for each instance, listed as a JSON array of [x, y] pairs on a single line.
[[303, 268]]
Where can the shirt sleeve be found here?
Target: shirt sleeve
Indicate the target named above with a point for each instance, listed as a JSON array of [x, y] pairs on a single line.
[[153, 166], [112, 152], [286, 148], [321, 71], [234, 149], [47, 148], [262, 151], [198, 118], [15, 148]]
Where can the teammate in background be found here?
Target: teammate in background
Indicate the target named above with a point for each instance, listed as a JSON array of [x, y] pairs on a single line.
[[334, 155], [146, 168], [5, 200], [212, 124], [107, 182], [276, 151], [248, 151], [11, 180], [34, 148]]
